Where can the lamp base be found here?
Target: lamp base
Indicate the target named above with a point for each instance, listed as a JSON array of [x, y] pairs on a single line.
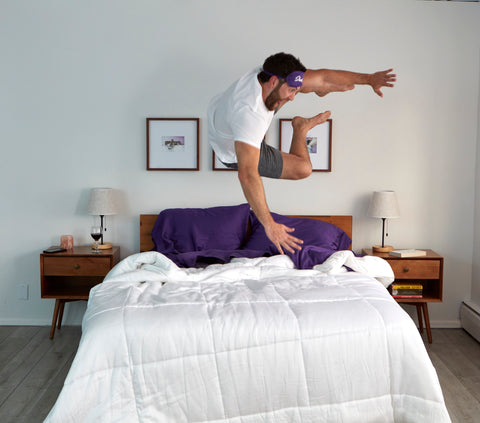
[[380, 249], [105, 246]]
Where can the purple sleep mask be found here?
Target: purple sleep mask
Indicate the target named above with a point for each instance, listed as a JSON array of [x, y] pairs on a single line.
[[294, 79]]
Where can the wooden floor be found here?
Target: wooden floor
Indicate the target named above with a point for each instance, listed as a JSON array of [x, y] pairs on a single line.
[[456, 357], [33, 368]]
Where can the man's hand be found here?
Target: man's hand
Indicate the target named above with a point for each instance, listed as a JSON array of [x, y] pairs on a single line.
[[280, 236], [382, 79]]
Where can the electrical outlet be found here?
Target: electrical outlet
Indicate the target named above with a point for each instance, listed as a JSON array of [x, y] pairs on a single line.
[[22, 291]]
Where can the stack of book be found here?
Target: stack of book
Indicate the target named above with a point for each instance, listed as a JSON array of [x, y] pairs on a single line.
[[407, 290], [408, 253]]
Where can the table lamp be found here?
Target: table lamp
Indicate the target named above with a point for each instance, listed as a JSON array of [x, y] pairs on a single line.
[[383, 205], [102, 202]]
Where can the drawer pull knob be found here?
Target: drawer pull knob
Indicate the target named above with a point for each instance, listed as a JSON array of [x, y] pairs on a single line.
[[76, 266], [406, 269]]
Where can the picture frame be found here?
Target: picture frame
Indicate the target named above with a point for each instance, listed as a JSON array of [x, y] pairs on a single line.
[[218, 165], [319, 142], [173, 144]]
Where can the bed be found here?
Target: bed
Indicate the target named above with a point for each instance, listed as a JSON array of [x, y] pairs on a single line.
[[268, 338]]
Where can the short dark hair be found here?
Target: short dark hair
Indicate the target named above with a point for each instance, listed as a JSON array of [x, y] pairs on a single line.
[[280, 64]]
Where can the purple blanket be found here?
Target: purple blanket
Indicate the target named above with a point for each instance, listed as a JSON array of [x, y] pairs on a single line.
[[196, 237]]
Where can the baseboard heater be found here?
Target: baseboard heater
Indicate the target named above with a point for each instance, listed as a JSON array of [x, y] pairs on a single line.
[[470, 318]]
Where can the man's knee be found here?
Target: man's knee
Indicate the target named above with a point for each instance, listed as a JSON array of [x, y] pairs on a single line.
[[295, 168], [303, 170]]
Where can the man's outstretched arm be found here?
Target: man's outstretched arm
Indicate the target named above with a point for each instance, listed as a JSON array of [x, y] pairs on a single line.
[[324, 81], [252, 185]]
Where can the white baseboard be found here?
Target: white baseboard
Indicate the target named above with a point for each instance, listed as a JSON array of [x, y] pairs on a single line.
[[470, 318], [437, 324], [28, 322], [24, 322], [434, 324], [445, 324]]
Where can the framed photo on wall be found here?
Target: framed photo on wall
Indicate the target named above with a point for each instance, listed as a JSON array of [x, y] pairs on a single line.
[[218, 165], [173, 143], [319, 143]]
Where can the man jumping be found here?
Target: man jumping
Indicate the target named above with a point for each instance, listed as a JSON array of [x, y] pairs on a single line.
[[238, 120]]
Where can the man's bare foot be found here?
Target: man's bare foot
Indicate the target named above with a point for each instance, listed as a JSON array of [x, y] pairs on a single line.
[[305, 124]]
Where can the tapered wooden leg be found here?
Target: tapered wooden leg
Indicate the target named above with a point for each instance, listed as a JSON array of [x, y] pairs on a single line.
[[60, 315], [427, 322], [54, 319], [419, 315]]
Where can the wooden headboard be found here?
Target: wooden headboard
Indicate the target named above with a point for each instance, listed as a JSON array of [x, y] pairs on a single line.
[[148, 220]]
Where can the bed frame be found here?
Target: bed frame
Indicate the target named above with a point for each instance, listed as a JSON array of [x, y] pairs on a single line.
[[148, 220]]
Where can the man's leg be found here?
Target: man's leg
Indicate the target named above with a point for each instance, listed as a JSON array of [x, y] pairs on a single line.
[[270, 163], [296, 163]]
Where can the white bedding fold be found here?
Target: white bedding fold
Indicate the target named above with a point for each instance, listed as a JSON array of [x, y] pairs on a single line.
[[155, 266], [376, 267]]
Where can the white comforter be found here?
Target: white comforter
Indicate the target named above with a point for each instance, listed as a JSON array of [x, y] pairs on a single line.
[[251, 341]]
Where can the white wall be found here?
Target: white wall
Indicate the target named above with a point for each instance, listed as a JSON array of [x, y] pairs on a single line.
[[79, 79], [475, 297]]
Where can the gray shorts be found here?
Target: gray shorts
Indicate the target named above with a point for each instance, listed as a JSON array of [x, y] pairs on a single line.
[[270, 164]]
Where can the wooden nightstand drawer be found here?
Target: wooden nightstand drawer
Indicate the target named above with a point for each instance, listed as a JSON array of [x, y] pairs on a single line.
[[415, 269], [76, 266]]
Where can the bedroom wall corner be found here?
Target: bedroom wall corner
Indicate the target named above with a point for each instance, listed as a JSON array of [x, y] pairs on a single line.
[[470, 308]]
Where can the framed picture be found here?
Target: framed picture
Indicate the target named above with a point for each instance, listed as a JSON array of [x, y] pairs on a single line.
[[319, 143], [218, 165], [173, 143]]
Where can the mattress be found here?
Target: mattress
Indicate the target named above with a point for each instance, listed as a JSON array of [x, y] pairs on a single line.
[[254, 340]]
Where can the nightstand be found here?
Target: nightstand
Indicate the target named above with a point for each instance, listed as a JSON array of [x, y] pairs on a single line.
[[428, 270], [69, 276]]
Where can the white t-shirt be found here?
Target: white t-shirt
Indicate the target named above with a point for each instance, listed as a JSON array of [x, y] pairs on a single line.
[[238, 114]]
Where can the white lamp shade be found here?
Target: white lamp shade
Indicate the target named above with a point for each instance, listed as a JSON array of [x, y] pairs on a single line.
[[102, 202], [384, 205]]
